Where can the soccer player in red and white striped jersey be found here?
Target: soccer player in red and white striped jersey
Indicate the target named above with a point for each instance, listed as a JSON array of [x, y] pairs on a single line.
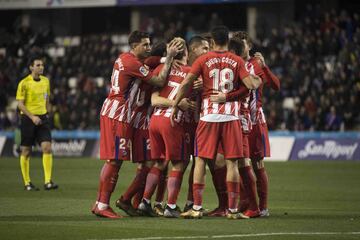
[[248, 200], [198, 46], [140, 149], [168, 144], [258, 138], [115, 116], [219, 122]]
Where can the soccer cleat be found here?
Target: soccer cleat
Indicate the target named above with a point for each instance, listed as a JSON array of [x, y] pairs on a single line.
[[159, 210], [217, 212], [237, 215], [126, 207], [252, 213], [192, 214], [31, 187], [94, 207], [106, 213], [264, 213], [146, 209], [243, 205], [50, 186], [188, 207], [172, 213]]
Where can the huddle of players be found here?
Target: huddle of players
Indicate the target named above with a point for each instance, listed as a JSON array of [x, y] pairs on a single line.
[[191, 102]]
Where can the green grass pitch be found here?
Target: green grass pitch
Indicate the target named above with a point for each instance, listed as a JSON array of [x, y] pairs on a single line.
[[308, 200]]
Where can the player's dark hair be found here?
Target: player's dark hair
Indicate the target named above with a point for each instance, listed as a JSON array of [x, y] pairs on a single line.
[[207, 37], [33, 58], [196, 40], [236, 45], [136, 36], [158, 49], [220, 35], [243, 36]]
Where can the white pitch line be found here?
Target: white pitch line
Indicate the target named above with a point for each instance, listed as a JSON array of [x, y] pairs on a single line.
[[235, 235]]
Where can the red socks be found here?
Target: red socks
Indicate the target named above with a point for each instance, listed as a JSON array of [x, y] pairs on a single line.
[[262, 187], [249, 182], [233, 194], [244, 200], [160, 192], [198, 190], [151, 182], [136, 185], [173, 186], [190, 196], [219, 180], [108, 179]]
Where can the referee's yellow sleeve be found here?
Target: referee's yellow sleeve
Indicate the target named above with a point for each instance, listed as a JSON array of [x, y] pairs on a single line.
[[20, 93], [48, 87]]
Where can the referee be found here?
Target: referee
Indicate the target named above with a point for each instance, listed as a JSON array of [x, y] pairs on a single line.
[[33, 102]]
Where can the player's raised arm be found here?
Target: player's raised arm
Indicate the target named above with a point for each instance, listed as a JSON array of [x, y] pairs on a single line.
[[272, 80], [173, 48], [183, 89]]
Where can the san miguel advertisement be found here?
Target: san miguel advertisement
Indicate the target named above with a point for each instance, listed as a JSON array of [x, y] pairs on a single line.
[[326, 149]]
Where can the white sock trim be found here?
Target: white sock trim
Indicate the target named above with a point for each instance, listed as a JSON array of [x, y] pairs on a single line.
[[102, 206], [197, 207]]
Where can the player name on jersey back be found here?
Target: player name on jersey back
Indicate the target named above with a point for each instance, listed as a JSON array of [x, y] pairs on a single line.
[[227, 60], [221, 72]]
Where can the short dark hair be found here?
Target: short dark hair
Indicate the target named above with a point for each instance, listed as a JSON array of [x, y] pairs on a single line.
[[32, 59], [158, 49], [195, 40], [220, 35], [136, 36], [236, 45], [207, 37], [243, 36]]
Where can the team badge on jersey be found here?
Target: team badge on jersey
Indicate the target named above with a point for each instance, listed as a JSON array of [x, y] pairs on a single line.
[[144, 70]]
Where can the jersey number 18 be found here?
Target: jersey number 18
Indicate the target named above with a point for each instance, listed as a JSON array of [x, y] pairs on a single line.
[[222, 79]]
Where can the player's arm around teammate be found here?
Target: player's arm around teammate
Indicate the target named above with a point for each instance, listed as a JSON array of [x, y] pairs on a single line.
[[167, 144], [33, 102], [116, 114]]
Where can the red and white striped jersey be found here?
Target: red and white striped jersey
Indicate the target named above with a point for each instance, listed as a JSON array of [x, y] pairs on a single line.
[[221, 72], [256, 111], [128, 73], [169, 91], [255, 101], [142, 111]]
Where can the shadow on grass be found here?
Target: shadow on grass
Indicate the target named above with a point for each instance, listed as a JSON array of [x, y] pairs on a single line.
[[91, 218], [52, 218]]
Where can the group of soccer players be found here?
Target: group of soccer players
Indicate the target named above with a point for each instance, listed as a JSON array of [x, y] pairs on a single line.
[[200, 100]]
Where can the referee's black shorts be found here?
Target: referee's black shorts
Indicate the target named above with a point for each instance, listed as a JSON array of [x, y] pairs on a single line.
[[31, 133]]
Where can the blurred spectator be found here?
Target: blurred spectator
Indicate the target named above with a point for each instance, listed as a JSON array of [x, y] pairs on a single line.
[[315, 57]]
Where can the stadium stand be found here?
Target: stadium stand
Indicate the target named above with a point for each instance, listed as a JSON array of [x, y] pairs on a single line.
[[316, 58]]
